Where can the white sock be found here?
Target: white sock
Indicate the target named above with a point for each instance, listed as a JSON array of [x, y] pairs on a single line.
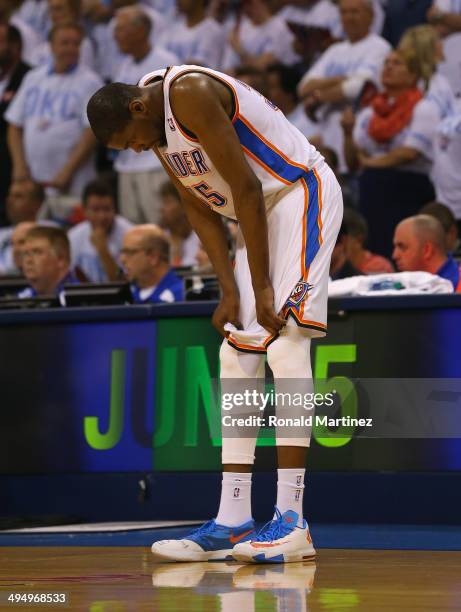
[[290, 490], [235, 506]]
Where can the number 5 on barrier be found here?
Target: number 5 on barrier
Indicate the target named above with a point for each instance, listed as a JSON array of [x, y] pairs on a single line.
[[335, 353]]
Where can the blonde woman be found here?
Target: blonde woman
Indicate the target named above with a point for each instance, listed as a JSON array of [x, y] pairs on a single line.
[[391, 142], [424, 45]]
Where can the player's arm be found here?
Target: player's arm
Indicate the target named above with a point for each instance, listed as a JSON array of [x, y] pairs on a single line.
[[209, 227], [203, 106]]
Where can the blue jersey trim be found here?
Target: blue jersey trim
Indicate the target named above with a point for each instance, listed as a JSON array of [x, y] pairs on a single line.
[[312, 229], [278, 164]]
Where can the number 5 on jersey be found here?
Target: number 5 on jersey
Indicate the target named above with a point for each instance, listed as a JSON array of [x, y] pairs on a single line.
[[212, 198]]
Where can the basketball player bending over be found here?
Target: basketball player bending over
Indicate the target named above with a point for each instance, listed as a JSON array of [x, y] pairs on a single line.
[[231, 152]]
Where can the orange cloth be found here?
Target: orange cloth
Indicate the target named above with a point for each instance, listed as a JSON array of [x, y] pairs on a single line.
[[392, 115]]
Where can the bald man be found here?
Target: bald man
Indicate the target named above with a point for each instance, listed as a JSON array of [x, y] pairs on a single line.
[[145, 257], [420, 246]]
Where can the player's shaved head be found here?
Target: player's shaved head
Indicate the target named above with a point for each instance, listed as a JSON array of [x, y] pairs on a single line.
[[108, 109]]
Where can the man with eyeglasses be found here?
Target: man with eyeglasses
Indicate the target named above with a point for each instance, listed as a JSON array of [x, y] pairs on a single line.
[[145, 257]]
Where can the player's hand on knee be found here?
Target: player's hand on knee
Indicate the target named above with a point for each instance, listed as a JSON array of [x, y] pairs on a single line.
[[265, 311], [228, 311]]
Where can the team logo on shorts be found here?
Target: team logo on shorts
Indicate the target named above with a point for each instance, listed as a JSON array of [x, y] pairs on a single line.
[[299, 293], [171, 124]]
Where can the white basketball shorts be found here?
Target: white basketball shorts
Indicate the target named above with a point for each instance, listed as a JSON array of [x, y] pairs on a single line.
[[303, 223]]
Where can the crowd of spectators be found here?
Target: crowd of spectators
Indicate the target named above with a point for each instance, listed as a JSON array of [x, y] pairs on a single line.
[[374, 84]]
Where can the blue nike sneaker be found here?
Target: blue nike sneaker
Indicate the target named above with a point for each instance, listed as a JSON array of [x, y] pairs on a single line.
[[279, 541], [209, 542]]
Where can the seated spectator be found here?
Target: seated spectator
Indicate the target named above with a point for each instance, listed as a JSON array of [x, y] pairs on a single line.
[[281, 87], [46, 261], [402, 15], [12, 71], [445, 15], [446, 172], [341, 73], [448, 221], [145, 256], [140, 175], [49, 136], [392, 140], [184, 242], [420, 246], [96, 242], [340, 266], [259, 38], [361, 259], [194, 38], [25, 199], [424, 44], [63, 12], [18, 240]]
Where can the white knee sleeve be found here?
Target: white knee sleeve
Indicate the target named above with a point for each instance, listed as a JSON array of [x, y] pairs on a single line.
[[289, 357], [239, 365], [238, 446]]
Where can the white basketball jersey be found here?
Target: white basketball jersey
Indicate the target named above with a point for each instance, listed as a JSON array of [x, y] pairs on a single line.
[[275, 149]]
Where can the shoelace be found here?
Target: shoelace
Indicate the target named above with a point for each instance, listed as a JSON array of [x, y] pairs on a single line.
[[273, 530], [204, 529]]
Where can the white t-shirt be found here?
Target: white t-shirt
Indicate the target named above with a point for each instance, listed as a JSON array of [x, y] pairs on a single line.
[[419, 134], [85, 256], [273, 36], [6, 250], [202, 44], [30, 39], [300, 120], [441, 95], [365, 58], [447, 163], [323, 14], [108, 55], [44, 56], [35, 14], [130, 72], [190, 247], [167, 8], [51, 109], [451, 67]]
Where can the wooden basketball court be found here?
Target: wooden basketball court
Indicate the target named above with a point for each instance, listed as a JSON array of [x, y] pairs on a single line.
[[126, 578]]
